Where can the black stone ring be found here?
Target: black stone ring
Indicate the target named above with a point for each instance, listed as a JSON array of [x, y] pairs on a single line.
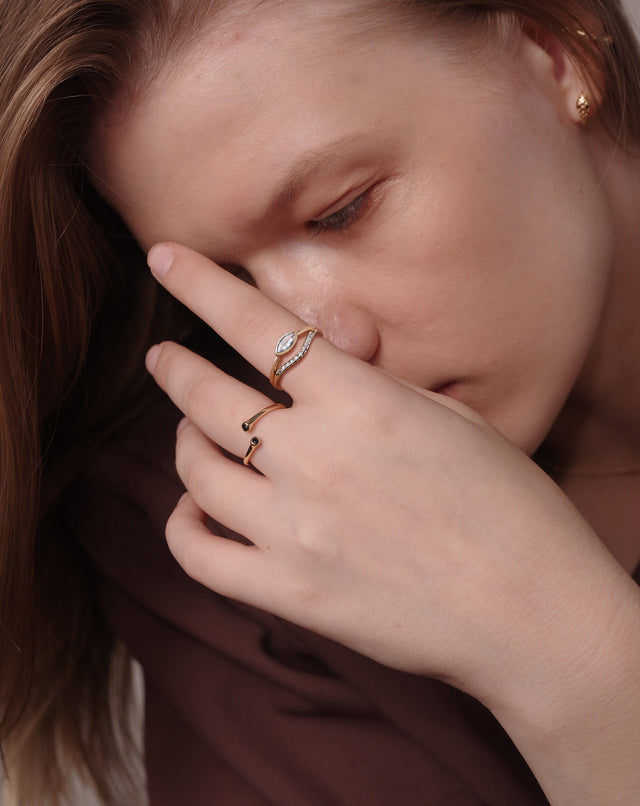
[[255, 443], [247, 425]]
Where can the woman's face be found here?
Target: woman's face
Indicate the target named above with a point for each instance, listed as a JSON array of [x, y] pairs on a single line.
[[439, 219]]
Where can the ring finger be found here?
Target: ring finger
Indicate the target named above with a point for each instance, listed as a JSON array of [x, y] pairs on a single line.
[[221, 488]]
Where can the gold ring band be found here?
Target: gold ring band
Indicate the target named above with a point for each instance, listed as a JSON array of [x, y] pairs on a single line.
[[255, 443], [247, 425], [284, 346]]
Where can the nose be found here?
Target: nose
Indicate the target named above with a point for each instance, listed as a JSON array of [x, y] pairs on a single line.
[[325, 300], [347, 328]]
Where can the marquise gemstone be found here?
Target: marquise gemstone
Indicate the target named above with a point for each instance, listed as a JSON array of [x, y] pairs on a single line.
[[286, 343]]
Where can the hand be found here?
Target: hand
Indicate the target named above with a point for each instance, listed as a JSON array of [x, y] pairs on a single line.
[[385, 517], [397, 522]]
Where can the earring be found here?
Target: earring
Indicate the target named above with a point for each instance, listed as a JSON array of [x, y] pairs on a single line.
[[583, 105]]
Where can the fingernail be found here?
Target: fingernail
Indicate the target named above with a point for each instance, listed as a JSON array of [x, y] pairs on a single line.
[[160, 258], [182, 425], [152, 357]]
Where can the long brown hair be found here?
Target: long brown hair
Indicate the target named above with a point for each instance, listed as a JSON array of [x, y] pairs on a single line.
[[77, 311]]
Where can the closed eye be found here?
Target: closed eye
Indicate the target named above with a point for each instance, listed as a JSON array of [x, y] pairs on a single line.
[[342, 219]]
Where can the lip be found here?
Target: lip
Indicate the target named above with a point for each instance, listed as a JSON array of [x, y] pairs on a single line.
[[447, 389]]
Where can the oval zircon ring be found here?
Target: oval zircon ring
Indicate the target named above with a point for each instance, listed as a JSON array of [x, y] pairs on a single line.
[[285, 345]]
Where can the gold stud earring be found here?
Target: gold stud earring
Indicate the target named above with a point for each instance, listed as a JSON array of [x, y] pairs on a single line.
[[583, 105]]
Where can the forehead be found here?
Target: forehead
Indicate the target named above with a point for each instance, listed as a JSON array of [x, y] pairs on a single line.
[[243, 47], [250, 93], [198, 155]]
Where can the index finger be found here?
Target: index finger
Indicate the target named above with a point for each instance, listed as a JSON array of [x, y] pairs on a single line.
[[246, 318]]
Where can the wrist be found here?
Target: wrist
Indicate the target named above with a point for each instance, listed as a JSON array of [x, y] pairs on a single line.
[[576, 716]]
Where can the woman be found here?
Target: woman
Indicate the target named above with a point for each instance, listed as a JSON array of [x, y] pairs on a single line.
[[433, 208]]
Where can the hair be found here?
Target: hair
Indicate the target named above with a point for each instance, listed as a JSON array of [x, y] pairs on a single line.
[[77, 312]]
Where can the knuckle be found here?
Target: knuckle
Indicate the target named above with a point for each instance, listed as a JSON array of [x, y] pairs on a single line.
[[374, 415], [175, 537], [328, 479], [199, 397], [375, 418], [254, 321], [300, 593], [195, 475], [191, 559], [186, 550], [318, 548]]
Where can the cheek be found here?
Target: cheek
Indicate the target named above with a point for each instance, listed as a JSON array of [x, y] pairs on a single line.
[[507, 286], [521, 223]]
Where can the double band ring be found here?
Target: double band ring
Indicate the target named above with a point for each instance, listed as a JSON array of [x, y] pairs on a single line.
[[247, 425], [284, 346]]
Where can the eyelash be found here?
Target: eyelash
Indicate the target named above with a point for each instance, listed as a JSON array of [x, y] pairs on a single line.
[[341, 219]]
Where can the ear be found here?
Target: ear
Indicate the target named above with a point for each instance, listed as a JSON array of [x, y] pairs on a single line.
[[571, 84]]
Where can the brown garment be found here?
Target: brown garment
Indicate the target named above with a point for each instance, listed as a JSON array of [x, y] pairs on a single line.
[[246, 709]]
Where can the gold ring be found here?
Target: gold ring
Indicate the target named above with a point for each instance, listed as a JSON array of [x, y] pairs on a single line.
[[255, 443], [247, 425], [285, 345]]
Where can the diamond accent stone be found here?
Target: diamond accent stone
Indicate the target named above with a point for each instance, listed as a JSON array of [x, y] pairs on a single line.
[[286, 343], [298, 356]]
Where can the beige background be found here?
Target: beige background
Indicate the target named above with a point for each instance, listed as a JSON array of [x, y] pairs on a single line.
[[633, 9]]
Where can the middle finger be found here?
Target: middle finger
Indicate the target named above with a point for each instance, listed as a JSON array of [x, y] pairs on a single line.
[[217, 403]]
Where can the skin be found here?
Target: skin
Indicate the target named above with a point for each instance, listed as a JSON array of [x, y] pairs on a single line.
[[482, 293], [447, 184]]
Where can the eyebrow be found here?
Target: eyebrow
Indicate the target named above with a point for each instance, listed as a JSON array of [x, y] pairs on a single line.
[[304, 168]]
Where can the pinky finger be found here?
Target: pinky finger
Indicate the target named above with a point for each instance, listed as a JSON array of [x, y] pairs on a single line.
[[229, 568]]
